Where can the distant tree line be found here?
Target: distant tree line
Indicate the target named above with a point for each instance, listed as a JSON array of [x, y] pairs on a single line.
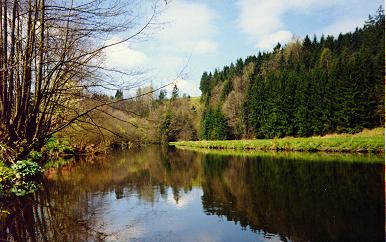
[[308, 87], [155, 117]]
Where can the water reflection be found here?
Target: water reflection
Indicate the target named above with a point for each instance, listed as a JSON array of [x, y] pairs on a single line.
[[173, 195]]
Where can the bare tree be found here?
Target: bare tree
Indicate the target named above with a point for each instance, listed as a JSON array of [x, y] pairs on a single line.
[[50, 60]]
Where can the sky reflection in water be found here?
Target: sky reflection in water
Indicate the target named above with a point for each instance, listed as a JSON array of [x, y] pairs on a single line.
[[174, 195]]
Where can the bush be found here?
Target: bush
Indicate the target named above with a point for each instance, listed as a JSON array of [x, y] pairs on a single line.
[[52, 144], [23, 188], [35, 156], [58, 145], [68, 150], [18, 178], [7, 177], [26, 168]]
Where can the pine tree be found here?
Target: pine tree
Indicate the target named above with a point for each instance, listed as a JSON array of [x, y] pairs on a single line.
[[330, 85], [174, 93], [118, 95], [162, 96]]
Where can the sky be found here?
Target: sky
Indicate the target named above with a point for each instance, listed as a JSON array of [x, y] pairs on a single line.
[[198, 35]]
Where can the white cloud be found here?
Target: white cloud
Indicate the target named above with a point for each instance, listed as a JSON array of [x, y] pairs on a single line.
[[185, 86], [189, 28], [258, 18], [205, 47], [342, 26], [187, 21], [122, 56], [262, 19], [267, 41], [188, 86], [188, 35], [173, 63], [185, 199]]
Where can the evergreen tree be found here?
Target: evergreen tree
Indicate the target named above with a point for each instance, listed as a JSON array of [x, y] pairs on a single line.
[[174, 93], [310, 88], [214, 125], [118, 95], [162, 95]]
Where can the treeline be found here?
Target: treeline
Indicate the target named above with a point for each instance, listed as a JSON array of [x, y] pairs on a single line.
[[151, 116], [308, 87]]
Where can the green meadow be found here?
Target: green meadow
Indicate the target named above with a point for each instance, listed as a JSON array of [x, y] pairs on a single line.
[[367, 141]]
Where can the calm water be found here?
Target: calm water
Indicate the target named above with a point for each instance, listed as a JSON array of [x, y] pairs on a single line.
[[174, 195]]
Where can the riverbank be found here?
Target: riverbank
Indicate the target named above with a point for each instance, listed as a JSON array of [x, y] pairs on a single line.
[[367, 141], [24, 176]]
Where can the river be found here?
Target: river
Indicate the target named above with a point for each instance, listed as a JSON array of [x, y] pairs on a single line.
[[166, 194]]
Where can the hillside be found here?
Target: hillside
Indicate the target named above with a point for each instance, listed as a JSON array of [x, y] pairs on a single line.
[[307, 87]]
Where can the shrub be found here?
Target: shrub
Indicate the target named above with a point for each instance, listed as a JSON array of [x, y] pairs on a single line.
[[7, 176], [68, 150], [18, 178], [52, 144], [26, 168], [59, 145], [35, 156], [23, 188]]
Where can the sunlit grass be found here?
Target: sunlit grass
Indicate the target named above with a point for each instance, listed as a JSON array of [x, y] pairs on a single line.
[[367, 141]]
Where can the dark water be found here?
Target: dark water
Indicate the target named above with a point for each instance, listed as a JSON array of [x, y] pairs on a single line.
[[173, 195]]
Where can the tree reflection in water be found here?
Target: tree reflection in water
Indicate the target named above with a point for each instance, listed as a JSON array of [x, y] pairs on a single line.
[[294, 199]]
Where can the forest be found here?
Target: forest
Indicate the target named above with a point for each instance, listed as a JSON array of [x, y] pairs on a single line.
[[308, 87]]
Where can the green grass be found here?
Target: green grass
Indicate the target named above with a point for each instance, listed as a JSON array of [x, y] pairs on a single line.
[[367, 141], [195, 99]]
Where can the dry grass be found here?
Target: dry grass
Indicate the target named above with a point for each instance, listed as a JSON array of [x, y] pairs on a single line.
[[376, 132]]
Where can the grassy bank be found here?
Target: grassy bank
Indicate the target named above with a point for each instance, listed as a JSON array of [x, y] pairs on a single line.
[[371, 141]]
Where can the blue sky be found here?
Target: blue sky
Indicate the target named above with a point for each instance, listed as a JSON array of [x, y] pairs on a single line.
[[200, 35]]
